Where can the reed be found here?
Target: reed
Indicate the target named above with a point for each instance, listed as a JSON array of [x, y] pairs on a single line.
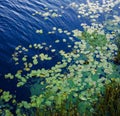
[[108, 103]]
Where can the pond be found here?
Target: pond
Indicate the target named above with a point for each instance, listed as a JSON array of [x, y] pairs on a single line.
[[58, 57]]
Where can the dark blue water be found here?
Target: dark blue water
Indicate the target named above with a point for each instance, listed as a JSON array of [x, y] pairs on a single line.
[[18, 27]]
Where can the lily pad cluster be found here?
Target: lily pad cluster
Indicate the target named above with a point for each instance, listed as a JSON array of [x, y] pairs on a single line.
[[78, 78], [5, 99]]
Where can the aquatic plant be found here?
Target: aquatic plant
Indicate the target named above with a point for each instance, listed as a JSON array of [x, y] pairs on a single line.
[[6, 98], [112, 24], [72, 84], [92, 37], [108, 103]]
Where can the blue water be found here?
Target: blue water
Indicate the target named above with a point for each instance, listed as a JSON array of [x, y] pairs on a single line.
[[18, 27]]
